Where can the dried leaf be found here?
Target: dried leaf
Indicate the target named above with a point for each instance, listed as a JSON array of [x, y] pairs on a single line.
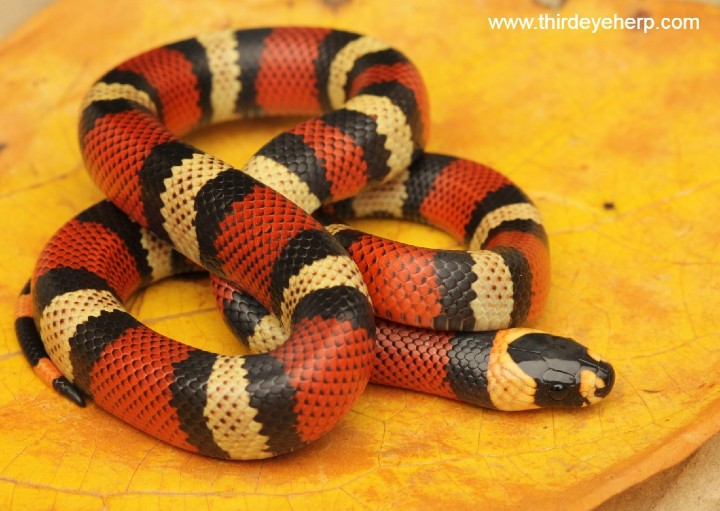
[[615, 136]]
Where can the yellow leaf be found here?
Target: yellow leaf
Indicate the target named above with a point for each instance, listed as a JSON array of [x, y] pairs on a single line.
[[615, 136]]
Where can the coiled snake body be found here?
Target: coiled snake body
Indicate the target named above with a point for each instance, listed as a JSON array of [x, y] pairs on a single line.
[[289, 288]]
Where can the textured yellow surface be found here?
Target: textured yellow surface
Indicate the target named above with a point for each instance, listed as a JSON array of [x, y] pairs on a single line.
[[613, 134]]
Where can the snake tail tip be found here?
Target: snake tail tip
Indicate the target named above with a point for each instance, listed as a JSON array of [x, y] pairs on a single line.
[[68, 390]]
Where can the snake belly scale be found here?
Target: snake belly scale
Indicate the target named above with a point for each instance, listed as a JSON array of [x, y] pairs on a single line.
[[299, 297]]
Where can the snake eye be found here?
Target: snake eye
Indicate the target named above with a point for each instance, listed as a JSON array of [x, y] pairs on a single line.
[[558, 391]]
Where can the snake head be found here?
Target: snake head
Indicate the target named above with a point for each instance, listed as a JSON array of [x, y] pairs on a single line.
[[537, 369]]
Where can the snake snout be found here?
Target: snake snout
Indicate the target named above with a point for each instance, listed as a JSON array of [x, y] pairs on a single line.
[[605, 379]]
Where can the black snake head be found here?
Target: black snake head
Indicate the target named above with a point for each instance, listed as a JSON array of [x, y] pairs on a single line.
[[564, 373]]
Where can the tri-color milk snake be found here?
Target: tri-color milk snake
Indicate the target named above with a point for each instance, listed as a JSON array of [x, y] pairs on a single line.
[[297, 299]]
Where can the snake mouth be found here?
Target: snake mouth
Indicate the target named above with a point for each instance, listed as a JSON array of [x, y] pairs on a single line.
[[605, 380]]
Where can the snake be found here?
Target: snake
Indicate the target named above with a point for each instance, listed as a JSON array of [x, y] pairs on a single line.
[[321, 307]]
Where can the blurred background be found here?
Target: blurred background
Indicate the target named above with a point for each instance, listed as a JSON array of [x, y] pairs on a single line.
[[14, 12]]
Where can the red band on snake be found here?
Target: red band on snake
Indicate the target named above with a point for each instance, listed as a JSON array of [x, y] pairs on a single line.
[[289, 288]]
